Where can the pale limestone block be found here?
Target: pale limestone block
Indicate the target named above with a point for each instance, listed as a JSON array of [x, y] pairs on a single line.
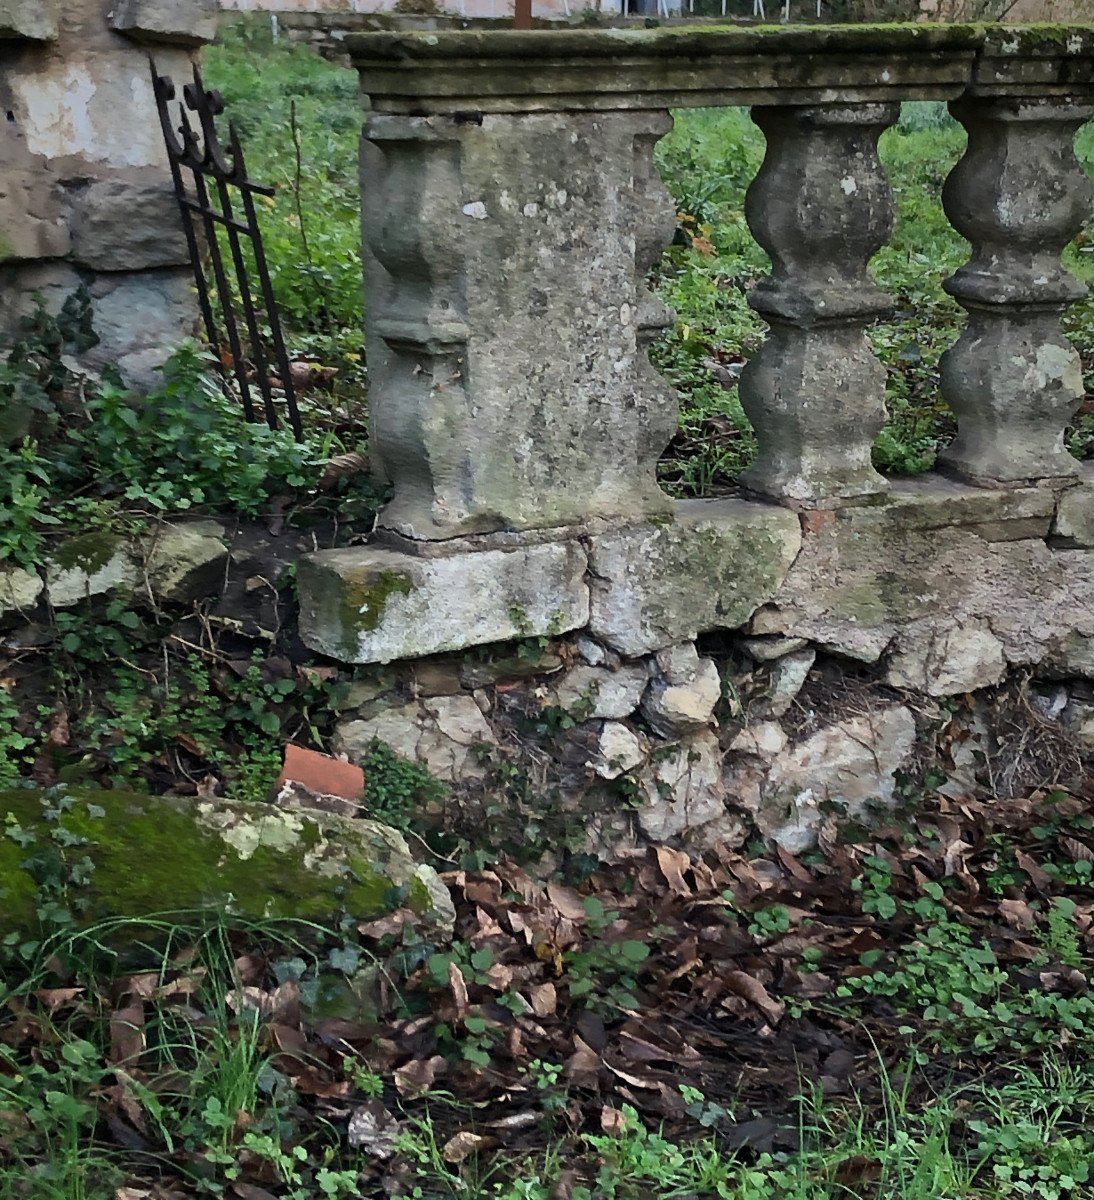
[[376, 605], [175, 22], [709, 568]]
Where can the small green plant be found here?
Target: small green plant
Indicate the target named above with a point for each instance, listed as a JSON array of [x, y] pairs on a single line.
[[397, 790]]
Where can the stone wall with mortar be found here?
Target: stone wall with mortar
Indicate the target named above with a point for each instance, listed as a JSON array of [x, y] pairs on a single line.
[[834, 668], [85, 192]]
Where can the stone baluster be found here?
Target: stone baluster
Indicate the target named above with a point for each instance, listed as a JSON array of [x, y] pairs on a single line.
[[1019, 195], [821, 206], [508, 318]]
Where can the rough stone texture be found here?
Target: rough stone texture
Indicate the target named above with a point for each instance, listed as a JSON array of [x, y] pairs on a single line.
[[935, 502], [1074, 523], [645, 591], [140, 317], [1078, 716], [127, 225], [770, 648], [864, 576], [81, 162], [252, 859], [786, 678], [508, 317], [946, 661], [619, 750], [19, 590], [376, 605], [67, 586], [441, 734], [35, 20], [599, 693], [186, 562], [821, 206], [849, 767], [176, 22], [764, 740], [32, 223], [681, 789], [1019, 195], [695, 64], [682, 695]]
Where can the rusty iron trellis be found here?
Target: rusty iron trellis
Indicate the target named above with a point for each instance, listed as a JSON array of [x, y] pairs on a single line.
[[212, 177]]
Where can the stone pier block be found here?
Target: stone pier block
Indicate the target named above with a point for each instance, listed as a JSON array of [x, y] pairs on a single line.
[[128, 224], [1074, 523], [710, 567], [508, 317], [176, 22], [35, 20], [373, 604]]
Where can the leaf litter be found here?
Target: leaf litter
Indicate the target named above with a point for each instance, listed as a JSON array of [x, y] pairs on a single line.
[[559, 1007]]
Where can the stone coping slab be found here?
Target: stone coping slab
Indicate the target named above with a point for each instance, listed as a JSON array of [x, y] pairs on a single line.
[[684, 66]]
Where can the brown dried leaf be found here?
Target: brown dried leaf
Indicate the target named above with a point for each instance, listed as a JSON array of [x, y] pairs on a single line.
[[126, 1034], [612, 1121], [341, 466], [673, 864], [543, 997], [568, 902], [373, 1129], [462, 1145], [754, 992], [458, 985], [417, 1077]]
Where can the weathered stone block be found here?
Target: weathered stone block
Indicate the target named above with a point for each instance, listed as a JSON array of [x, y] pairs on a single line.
[[442, 734], [682, 789], [850, 766], [1074, 523], [176, 22], [861, 585], [31, 222], [257, 860], [946, 659], [19, 590], [599, 693], [508, 319], [92, 564], [682, 695], [710, 567], [140, 317], [375, 605], [186, 562], [124, 225], [35, 20], [998, 515]]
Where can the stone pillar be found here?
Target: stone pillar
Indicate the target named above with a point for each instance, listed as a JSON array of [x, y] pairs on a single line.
[[821, 207], [85, 192], [508, 318], [1019, 195]]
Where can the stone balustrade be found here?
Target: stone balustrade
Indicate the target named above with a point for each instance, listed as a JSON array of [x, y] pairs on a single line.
[[512, 212]]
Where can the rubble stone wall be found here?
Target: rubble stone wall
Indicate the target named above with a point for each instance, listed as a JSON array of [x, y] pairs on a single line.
[[85, 192]]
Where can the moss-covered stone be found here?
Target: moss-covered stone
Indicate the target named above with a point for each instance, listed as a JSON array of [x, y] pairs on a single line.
[[711, 569], [372, 604], [155, 854], [89, 552]]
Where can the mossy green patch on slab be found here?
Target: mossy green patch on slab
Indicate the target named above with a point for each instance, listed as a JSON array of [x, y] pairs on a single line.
[[89, 552], [153, 854]]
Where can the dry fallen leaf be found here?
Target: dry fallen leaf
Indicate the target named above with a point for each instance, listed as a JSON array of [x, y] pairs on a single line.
[[465, 1143], [373, 1129], [612, 1121]]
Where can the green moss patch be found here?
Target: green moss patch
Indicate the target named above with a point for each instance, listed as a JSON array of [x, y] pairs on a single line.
[[118, 853]]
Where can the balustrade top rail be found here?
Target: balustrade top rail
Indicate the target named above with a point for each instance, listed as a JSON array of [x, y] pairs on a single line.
[[685, 66]]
